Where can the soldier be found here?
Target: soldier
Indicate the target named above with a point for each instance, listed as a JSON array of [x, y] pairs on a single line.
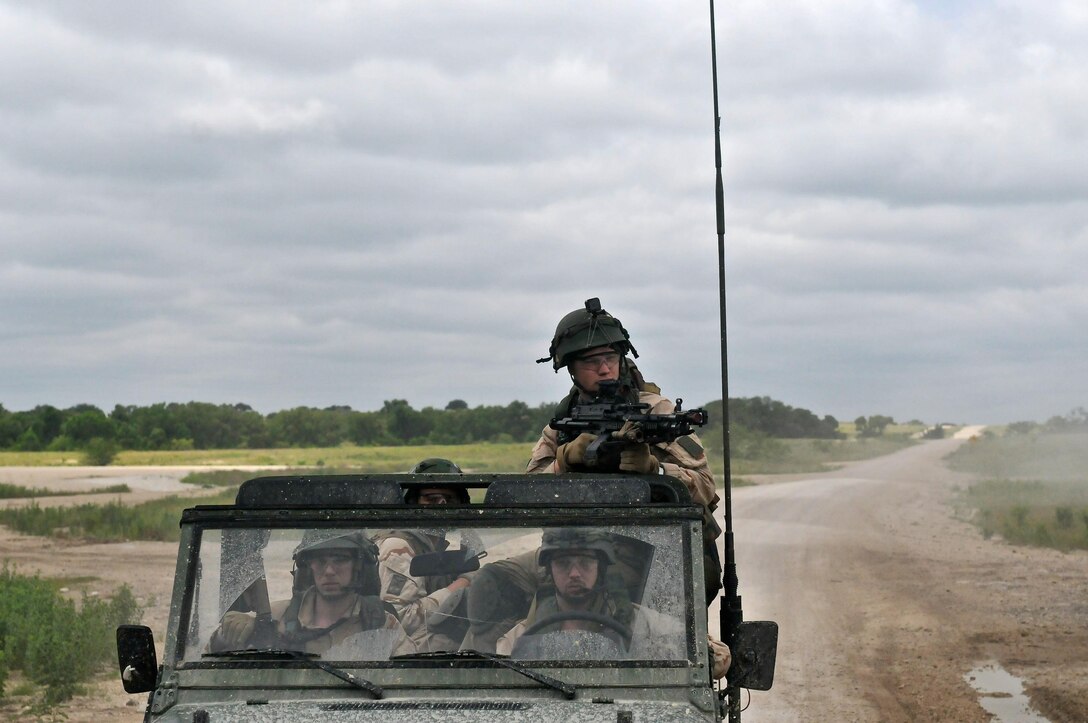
[[426, 606], [333, 599], [593, 346], [579, 595]]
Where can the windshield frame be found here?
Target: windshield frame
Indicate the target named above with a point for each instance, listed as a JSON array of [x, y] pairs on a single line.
[[198, 520]]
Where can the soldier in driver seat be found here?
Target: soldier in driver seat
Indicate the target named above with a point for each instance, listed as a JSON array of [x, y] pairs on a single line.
[[576, 563]]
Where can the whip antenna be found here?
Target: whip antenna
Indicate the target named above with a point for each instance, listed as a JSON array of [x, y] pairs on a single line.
[[731, 612]]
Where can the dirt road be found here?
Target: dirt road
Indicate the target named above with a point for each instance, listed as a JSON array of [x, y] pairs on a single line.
[[885, 601]]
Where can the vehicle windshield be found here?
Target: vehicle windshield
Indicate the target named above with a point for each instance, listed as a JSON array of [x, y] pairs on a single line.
[[577, 593]]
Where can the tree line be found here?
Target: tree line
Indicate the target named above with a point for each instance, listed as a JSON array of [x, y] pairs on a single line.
[[201, 425]]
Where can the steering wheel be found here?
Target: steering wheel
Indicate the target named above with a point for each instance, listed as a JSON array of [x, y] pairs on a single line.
[[604, 620]]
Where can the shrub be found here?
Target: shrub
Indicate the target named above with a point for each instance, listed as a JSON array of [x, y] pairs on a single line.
[[54, 643], [111, 522], [1064, 517], [100, 452], [1020, 515]]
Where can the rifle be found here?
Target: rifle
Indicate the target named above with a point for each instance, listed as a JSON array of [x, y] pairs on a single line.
[[617, 422]]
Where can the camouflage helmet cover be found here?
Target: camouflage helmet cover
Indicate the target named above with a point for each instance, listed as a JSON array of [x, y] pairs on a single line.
[[584, 329], [316, 540], [436, 465], [365, 573], [570, 539]]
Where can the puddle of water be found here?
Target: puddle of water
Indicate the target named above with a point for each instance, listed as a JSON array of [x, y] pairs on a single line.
[[1001, 694]]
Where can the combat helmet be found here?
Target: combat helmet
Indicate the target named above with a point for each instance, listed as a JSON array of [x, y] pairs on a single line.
[[435, 465], [564, 539], [364, 553], [584, 329]]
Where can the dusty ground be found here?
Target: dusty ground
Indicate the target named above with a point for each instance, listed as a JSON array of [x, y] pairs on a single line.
[[147, 567], [885, 601]]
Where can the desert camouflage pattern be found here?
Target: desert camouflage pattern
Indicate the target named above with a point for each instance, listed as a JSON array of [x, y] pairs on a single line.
[[678, 462], [339, 634], [416, 599]]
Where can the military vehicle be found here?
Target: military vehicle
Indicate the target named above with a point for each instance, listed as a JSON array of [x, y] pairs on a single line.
[[649, 664]]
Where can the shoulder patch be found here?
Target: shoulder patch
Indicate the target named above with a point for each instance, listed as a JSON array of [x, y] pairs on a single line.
[[396, 584], [691, 446]]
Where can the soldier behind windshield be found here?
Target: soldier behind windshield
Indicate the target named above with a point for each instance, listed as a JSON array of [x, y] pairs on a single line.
[[333, 599], [430, 608]]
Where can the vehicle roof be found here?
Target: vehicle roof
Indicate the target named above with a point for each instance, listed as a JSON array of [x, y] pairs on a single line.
[[517, 489]]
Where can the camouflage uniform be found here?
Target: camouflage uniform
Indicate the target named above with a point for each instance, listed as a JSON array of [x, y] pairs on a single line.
[[293, 627], [499, 597], [294, 618], [423, 604], [653, 635], [683, 458]]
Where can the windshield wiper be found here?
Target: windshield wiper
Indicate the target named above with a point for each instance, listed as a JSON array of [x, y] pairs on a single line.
[[566, 689], [310, 659]]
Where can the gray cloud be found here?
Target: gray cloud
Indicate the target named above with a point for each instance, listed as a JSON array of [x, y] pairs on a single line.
[[328, 203]]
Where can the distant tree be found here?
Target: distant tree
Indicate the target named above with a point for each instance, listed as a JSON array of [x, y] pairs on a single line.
[[28, 441], [10, 429], [776, 419], [83, 426], [1076, 420], [874, 426], [46, 421], [457, 404], [309, 427], [403, 423], [365, 428]]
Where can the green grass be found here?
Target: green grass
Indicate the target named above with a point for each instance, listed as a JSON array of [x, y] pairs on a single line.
[[479, 457], [1034, 488], [9, 491], [1041, 514], [110, 522], [753, 454], [55, 643]]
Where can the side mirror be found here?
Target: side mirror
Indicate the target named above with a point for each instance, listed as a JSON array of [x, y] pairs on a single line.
[[136, 658], [755, 648], [448, 562]]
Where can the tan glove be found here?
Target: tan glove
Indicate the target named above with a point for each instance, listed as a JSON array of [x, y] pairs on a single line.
[[236, 630], [720, 658], [638, 459], [574, 452]]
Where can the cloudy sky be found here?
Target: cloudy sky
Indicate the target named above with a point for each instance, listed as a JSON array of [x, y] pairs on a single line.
[[321, 203]]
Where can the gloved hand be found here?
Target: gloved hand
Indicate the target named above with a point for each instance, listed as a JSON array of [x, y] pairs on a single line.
[[720, 658], [637, 458], [236, 630], [574, 452]]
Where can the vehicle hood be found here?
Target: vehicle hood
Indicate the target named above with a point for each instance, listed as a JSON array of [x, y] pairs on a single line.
[[441, 711]]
